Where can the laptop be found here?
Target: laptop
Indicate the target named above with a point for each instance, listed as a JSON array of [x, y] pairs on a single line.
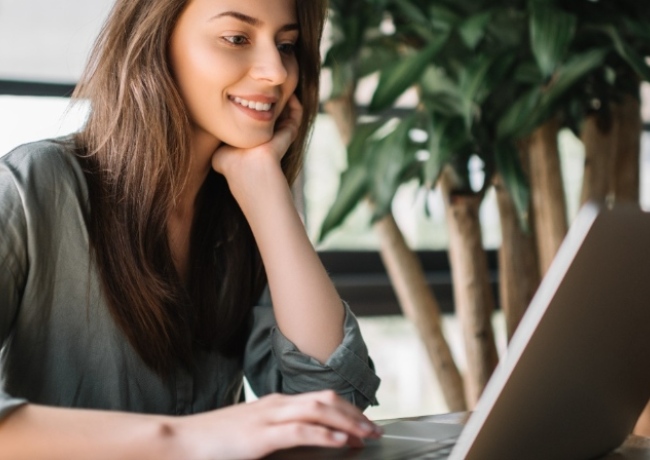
[[576, 374]]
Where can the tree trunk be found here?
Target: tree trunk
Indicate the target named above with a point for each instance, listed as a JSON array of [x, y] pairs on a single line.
[[417, 301], [627, 116], [549, 206], [628, 149], [599, 138], [518, 264], [343, 112], [420, 307], [472, 292]]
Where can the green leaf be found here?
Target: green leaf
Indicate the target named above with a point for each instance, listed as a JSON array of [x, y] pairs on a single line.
[[408, 12], [446, 138], [551, 33], [570, 73], [536, 105], [398, 78], [527, 72], [472, 79], [509, 167], [629, 54], [377, 54], [500, 72], [509, 27], [352, 189], [342, 79], [640, 28], [353, 28], [355, 180], [437, 160], [345, 39], [357, 148], [435, 81], [443, 104], [440, 93], [472, 30], [388, 160], [443, 18], [515, 121]]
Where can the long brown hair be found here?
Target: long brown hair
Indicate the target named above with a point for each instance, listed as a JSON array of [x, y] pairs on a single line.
[[135, 150]]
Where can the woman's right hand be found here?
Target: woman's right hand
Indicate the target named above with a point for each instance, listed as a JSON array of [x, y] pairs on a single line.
[[243, 431], [275, 422]]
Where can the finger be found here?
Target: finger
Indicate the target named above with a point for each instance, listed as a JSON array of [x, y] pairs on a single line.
[[283, 138], [338, 415], [287, 127], [291, 116], [330, 397], [293, 110], [327, 397], [355, 442]]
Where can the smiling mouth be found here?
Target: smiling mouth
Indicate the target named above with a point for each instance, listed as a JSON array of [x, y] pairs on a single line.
[[257, 106]]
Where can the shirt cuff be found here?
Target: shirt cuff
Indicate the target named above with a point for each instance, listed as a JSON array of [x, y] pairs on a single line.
[[8, 404], [348, 371]]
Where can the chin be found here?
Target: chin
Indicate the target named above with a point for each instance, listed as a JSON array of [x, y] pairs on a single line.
[[249, 142]]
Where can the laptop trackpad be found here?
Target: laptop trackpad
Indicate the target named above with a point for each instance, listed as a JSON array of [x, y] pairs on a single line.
[[401, 440], [422, 431]]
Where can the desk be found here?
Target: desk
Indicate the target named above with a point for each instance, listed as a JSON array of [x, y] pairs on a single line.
[[634, 448]]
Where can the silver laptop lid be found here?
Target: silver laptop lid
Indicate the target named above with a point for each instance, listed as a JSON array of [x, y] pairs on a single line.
[[576, 375]]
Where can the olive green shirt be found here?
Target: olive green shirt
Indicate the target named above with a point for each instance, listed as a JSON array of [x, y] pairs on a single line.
[[59, 345]]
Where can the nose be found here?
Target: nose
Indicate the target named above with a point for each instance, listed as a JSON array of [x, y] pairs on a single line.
[[269, 66]]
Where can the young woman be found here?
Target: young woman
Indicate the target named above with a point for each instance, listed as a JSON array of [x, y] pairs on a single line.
[[132, 253]]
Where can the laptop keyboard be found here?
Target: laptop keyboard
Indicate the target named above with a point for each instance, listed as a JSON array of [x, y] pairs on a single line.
[[439, 450]]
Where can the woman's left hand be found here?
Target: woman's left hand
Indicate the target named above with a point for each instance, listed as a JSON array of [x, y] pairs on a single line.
[[238, 163]]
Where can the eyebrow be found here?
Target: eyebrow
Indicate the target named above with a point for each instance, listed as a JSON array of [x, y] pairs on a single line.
[[252, 21]]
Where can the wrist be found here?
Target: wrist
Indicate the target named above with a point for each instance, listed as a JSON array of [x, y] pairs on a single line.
[[174, 439], [260, 187]]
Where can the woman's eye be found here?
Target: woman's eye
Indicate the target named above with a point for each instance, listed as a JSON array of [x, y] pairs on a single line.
[[236, 40], [287, 48]]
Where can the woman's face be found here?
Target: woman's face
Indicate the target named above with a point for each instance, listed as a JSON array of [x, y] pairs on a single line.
[[235, 66]]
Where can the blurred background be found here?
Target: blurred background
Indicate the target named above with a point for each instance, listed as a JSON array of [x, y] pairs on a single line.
[[430, 109]]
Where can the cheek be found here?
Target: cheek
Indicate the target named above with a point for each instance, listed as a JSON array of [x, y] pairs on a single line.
[[293, 75], [193, 71], [188, 76], [203, 86], [291, 83], [203, 72]]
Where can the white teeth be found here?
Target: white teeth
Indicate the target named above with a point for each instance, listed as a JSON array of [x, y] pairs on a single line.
[[259, 106]]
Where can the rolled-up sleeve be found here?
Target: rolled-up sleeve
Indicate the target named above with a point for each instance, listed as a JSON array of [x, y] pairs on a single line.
[[274, 364]]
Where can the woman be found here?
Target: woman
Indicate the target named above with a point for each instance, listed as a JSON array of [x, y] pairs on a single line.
[[132, 253]]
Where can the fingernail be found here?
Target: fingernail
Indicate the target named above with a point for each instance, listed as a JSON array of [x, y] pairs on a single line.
[[367, 427], [339, 436]]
